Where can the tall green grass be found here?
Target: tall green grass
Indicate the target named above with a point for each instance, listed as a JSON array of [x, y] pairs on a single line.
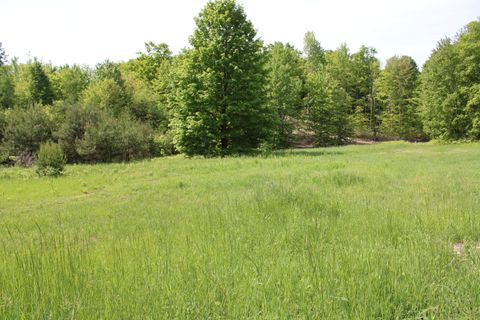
[[357, 232]]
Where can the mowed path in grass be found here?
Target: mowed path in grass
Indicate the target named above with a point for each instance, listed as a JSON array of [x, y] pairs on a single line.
[[356, 232]]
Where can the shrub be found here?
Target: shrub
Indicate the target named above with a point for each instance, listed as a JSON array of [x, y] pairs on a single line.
[[26, 129], [51, 160], [162, 144], [108, 138], [72, 128], [266, 148]]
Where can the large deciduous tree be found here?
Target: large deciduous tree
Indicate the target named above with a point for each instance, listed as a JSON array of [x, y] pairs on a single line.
[[327, 109], [220, 97], [397, 87], [366, 69], [450, 89]]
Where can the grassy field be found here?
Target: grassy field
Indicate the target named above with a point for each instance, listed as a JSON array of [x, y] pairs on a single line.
[[357, 232]]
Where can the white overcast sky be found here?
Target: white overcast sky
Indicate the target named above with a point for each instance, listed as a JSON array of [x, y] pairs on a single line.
[[90, 31]]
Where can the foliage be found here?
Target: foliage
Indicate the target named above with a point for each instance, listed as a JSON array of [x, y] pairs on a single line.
[[146, 105], [69, 83], [397, 86], [220, 100], [72, 128], [26, 129], [450, 87], [149, 63], [106, 94], [50, 159], [313, 51], [162, 144], [3, 55], [284, 90], [367, 111], [40, 86], [7, 87], [108, 138], [328, 106]]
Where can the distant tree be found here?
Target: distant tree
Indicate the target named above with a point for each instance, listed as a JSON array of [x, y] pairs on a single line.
[[469, 71], [106, 94], [107, 90], [40, 87], [284, 89], [441, 104], [397, 87], [340, 66], [220, 106], [328, 106], [7, 87], [366, 69], [148, 63], [313, 51], [109, 70], [147, 105], [3, 55], [450, 89], [69, 82]]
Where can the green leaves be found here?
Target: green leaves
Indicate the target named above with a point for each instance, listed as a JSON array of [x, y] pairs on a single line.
[[449, 87], [328, 106], [220, 99], [397, 87], [284, 90]]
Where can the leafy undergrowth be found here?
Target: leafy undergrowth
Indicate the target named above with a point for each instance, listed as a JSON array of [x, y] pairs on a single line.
[[364, 232]]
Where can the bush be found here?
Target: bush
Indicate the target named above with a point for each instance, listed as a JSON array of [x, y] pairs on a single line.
[[108, 138], [51, 160], [162, 145], [26, 129], [266, 148], [72, 128]]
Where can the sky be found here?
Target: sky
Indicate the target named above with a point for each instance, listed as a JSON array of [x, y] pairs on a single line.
[[90, 31]]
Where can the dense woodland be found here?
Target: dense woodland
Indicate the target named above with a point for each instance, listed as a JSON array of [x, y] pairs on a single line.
[[230, 93]]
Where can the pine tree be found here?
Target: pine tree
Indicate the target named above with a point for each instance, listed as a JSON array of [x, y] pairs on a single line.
[[40, 86]]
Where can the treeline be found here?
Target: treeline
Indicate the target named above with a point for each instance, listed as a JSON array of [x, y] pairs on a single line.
[[229, 94]]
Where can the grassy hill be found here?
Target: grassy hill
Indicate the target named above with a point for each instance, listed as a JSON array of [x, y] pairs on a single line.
[[350, 232]]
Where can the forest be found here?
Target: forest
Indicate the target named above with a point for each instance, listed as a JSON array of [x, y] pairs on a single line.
[[230, 93]]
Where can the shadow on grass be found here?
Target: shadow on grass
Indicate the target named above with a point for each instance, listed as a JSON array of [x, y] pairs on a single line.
[[305, 153]]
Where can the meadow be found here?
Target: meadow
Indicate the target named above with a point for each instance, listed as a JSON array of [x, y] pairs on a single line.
[[355, 232]]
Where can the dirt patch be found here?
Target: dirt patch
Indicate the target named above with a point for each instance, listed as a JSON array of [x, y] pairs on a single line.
[[460, 248]]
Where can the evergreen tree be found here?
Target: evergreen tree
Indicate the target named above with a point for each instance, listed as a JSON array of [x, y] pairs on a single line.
[[7, 87], [40, 87], [220, 98]]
